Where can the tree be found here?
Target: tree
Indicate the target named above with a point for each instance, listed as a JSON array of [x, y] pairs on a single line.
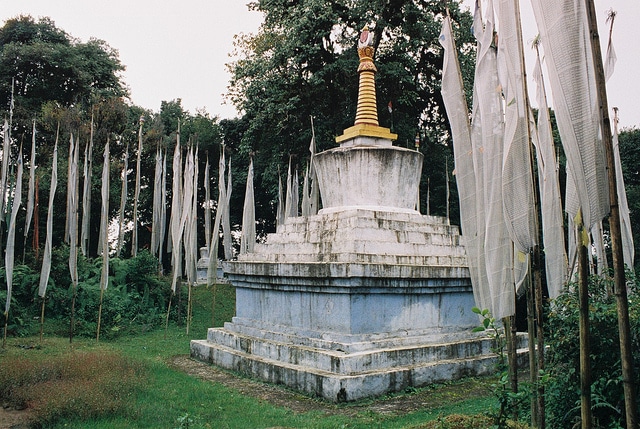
[[303, 63], [45, 64]]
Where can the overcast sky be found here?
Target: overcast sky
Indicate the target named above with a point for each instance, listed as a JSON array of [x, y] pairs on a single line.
[[179, 49]]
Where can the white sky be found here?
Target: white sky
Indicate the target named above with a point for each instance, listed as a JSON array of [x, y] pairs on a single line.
[[179, 49]]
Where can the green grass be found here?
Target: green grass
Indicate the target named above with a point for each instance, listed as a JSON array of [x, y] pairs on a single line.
[[165, 395]]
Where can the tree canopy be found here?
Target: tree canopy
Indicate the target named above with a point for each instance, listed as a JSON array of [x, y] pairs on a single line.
[[303, 63], [45, 64]]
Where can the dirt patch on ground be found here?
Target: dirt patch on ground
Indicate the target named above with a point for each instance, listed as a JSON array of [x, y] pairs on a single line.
[[416, 399], [14, 419]]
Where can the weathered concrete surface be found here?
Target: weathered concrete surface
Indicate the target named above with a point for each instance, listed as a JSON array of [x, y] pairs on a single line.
[[365, 298], [338, 375], [369, 176]]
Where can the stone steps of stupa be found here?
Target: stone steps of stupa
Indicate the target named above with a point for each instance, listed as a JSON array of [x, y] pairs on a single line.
[[365, 247], [361, 258], [365, 234], [339, 376], [401, 222]]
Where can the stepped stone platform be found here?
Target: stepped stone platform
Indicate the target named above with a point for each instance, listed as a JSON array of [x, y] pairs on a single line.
[[352, 303]]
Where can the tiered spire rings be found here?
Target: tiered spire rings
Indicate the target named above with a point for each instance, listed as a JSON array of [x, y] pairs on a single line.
[[366, 123]]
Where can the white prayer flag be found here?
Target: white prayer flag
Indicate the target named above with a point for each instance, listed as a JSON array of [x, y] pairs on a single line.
[[46, 259], [104, 213], [86, 196], [73, 211], [176, 214], [248, 237], [123, 201], [157, 201], [565, 36], [226, 222], [517, 176], [207, 205], [556, 262], [9, 256], [32, 185], [136, 197], [6, 154], [625, 219]]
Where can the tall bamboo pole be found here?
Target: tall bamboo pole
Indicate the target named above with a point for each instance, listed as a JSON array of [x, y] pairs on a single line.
[[585, 346], [538, 417], [620, 287], [99, 314]]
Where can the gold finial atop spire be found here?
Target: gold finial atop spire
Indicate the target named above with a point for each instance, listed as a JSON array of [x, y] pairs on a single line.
[[366, 123], [367, 112]]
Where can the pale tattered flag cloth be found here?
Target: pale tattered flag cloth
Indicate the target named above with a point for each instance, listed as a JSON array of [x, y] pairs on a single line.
[[104, 215], [123, 201], [176, 215], [73, 212], [9, 256], [86, 196], [556, 262], [248, 237], [226, 213], [46, 259], [625, 215], [207, 205], [6, 151], [32, 181], [104, 220], [492, 243], [564, 34], [157, 201], [517, 175], [215, 234], [136, 195]]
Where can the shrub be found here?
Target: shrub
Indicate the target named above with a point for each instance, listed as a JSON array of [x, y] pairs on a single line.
[[563, 356], [74, 385], [135, 301]]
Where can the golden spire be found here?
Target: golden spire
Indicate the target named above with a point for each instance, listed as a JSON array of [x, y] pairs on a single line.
[[366, 123], [367, 112]]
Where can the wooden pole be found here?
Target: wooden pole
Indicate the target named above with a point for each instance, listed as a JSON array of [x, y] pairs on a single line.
[[537, 416], [6, 323], [533, 367], [42, 319], [99, 314], [585, 347], [166, 325], [510, 335], [189, 309], [539, 303], [36, 222], [620, 287]]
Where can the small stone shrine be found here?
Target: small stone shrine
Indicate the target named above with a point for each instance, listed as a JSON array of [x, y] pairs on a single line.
[[366, 297]]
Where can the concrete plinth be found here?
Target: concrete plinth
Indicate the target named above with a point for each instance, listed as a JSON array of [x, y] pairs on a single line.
[[352, 303]]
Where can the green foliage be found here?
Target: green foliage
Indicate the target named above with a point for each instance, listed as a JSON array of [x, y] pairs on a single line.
[[303, 63], [508, 400], [47, 64], [135, 300], [563, 357]]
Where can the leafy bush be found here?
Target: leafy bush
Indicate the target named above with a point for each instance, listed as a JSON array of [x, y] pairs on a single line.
[[510, 402], [563, 356], [135, 301], [459, 421]]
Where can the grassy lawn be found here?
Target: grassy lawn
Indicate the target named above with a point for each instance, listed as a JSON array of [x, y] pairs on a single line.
[[165, 397]]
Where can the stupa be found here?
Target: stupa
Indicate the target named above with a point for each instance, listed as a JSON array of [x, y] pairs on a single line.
[[366, 297]]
